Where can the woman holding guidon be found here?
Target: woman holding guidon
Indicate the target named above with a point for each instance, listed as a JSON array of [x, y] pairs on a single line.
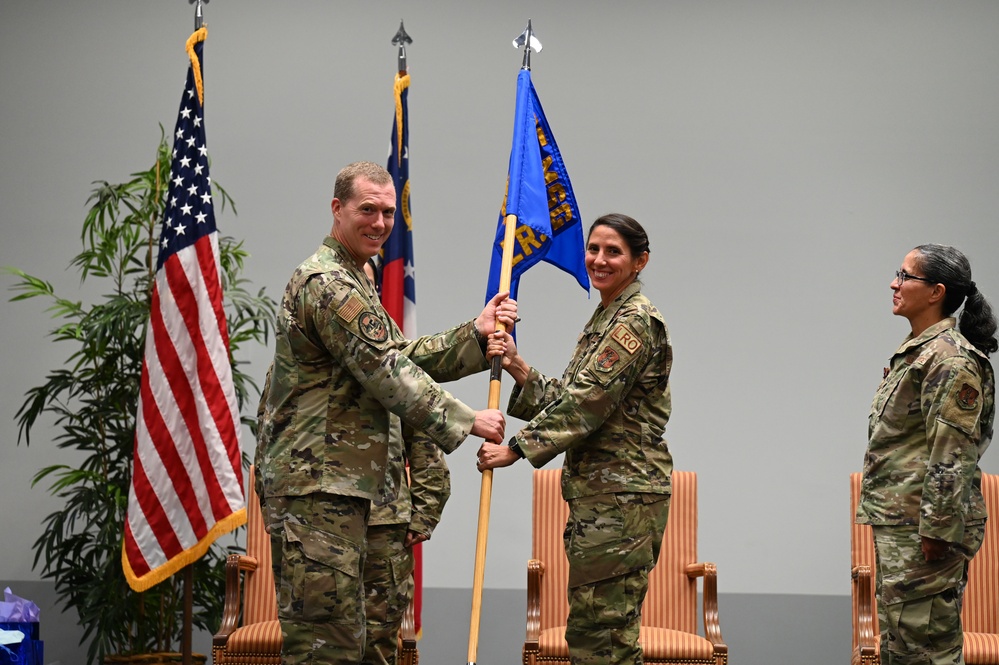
[[607, 414]]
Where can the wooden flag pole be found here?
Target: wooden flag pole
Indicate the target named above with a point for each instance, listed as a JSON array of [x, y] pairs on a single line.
[[186, 641], [485, 493], [186, 637]]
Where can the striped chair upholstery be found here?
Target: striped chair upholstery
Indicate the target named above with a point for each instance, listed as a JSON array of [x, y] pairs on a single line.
[[669, 617], [865, 615], [257, 640], [980, 614]]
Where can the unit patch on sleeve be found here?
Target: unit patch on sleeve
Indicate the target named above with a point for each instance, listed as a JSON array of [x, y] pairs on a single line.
[[967, 397], [372, 327], [628, 340], [607, 359], [962, 407]]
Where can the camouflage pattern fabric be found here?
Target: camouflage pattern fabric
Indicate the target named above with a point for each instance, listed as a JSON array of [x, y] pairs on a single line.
[[612, 542], [420, 502], [919, 602], [317, 549], [341, 369], [608, 414], [388, 570], [930, 423], [342, 381], [388, 590]]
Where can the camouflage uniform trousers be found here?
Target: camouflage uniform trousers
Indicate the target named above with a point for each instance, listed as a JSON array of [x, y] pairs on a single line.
[[919, 601], [612, 542], [317, 545], [388, 589]]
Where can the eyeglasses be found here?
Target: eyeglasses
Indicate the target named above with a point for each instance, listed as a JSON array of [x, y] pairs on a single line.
[[901, 276]]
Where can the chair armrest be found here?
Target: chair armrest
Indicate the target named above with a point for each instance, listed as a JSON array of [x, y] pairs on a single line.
[[407, 637], [863, 605], [712, 627], [535, 571], [234, 565]]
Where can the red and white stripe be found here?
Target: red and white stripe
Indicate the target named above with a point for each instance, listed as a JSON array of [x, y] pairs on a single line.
[[187, 478]]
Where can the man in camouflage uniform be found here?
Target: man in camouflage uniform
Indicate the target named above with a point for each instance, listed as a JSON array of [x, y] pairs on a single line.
[[396, 525], [608, 415], [930, 422], [341, 371]]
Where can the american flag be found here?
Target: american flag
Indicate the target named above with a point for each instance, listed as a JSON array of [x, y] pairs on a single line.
[[187, 482]]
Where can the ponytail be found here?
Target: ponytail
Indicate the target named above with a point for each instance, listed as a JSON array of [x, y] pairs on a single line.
[[948, 266], [978, 323]]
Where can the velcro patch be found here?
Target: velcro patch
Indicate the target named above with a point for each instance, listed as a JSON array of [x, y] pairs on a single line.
[[607, 359], [628, 340], [963, 405], [372, 327], [967, 397], [350, 309]]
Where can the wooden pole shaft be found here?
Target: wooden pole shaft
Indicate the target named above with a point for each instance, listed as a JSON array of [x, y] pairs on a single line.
[[186, 635], [485, 493]]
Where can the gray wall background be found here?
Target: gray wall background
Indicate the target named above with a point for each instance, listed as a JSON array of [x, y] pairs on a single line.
[[784, 155]]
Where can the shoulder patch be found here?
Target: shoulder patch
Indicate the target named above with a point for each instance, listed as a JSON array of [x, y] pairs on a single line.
[[372, 327], [626, 338], [607, 359], [967, 397], [350, 309], [962, 406]]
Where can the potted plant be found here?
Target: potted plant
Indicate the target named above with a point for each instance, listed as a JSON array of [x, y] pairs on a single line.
[[92, 398]]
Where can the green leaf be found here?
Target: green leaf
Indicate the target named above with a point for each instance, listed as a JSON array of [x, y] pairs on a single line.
[[88, 403]]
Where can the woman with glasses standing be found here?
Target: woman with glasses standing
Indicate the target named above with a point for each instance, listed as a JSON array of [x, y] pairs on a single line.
[[929, 425], [608, 415]]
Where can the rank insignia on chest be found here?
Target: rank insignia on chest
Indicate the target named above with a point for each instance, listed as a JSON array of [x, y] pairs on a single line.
[[607, 359], [628, 340], [372, 327], [967, 397]]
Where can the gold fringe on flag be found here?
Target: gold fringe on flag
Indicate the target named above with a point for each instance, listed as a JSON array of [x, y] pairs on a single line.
[[199, 35], [401, 83]]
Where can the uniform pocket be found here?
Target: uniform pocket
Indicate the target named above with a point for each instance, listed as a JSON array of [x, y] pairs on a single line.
[[606, 536], [895, 402], [320, 576]]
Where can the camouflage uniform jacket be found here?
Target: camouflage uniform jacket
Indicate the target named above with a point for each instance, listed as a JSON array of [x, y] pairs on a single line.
[[930, 423], [341, 369], [608, 414], [420, 502]]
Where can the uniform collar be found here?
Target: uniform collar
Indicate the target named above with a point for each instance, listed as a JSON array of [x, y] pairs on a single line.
[[340, 249], [928, 334], [605, 314], [347, 260]]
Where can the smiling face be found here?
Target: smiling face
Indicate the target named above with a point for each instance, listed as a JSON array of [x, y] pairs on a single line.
[[364, 221], [610, 263], [918, 301]]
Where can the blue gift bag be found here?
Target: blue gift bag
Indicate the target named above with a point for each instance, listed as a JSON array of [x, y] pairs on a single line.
[[29, 652]]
